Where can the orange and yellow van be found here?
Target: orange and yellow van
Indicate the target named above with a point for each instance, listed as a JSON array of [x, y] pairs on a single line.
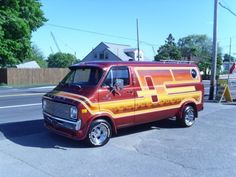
[[96, 99]]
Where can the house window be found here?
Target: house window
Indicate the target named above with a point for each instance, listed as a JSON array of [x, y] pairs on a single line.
[[101, 56], [106, 56], [95, 55]]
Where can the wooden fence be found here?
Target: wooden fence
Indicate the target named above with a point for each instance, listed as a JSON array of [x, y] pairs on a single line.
[[14, 76]]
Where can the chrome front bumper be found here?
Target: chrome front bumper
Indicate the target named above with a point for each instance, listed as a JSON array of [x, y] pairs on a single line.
[[58, 122]]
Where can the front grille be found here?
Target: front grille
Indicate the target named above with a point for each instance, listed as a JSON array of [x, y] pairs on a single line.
[[58, 109]]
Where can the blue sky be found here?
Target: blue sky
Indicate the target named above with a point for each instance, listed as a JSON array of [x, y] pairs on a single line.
[[157, 18]]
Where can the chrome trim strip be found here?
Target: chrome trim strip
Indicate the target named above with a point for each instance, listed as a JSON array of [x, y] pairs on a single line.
[[77, 123]]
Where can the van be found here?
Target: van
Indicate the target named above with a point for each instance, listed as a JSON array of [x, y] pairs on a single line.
[[96, 99]]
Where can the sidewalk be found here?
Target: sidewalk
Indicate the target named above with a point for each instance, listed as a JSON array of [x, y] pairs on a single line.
[[30, 89]]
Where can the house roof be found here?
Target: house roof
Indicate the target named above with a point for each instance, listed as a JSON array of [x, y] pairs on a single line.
[[118, 50], [30, 64]]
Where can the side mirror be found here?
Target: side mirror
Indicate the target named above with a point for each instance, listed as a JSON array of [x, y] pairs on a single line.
[[119, 84]]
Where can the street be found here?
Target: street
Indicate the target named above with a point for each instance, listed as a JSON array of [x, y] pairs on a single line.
[[21, 104], [155, 149]]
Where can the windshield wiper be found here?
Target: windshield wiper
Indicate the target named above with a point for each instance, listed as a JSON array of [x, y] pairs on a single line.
[[61, 83], [69, 84], [73, 84]]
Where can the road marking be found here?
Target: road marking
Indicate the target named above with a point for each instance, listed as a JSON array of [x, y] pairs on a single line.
[[46, 87], [19, 106], [23, 94]]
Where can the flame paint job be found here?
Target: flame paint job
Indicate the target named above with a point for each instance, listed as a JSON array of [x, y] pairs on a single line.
[[153, 89]]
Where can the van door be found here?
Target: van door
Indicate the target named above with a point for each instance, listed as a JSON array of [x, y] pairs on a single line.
[[116, 96]]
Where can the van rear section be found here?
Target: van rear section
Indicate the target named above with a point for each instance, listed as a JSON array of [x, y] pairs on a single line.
[[166, 90], [97, 98]]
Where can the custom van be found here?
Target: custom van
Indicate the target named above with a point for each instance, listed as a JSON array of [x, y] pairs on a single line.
[[96, 99]]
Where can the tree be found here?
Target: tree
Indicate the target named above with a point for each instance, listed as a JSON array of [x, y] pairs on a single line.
[[37, 55], [169, 50], [228, 58], [61, 60], [18, 19], [195, 45], [201, 47]]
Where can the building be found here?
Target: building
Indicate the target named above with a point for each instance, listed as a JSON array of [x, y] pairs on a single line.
[[114, 52], [30, 64]]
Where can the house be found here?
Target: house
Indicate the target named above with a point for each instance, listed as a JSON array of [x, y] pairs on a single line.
[[114, 52]]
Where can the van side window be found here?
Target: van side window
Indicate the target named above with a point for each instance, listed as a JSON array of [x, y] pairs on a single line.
[[120, 72]]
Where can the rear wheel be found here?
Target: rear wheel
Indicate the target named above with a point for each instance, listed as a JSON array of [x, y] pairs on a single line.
[[188, 116], [99, 133]]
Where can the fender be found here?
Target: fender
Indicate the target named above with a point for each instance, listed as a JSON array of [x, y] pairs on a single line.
[[180, 111], [105, 116]]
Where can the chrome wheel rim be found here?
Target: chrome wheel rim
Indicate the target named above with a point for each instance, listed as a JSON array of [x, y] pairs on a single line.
[[189, 116], [99, 134]]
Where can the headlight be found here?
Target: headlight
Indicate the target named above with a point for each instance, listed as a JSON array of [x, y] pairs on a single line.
[[44, 104], [73, 112]]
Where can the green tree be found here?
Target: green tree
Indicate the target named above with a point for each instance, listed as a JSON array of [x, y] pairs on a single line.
[[169, 50], [18, 19], [228, 58], [201, 47], [37, 55], [61, 60], [194, 45]]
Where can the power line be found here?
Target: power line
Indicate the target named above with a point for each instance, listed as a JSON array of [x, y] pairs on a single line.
[[227, 9], [98, 33]]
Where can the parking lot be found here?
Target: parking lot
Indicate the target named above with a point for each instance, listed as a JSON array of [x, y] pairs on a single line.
[[156, 149]]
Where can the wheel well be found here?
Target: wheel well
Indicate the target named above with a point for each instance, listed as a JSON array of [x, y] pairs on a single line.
[[109, 121], [180, 112], [194, 107]]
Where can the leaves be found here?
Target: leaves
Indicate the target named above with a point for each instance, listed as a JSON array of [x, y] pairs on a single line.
[[199, 46], [195, 45], [37, 55], [61, 60], [228, 58], [169, 50], [18, 19]]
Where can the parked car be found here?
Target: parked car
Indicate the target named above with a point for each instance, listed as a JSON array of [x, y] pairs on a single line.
[[97, 98]]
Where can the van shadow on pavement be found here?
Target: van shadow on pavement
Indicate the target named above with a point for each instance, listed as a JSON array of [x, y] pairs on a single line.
[[34, 134], [162, 124]]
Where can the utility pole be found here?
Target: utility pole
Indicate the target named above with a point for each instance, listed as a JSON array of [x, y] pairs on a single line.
[[214, 53], [230, 45], [137, 39], [230, 41]]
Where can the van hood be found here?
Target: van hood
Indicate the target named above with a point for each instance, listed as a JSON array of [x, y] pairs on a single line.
[[71, 95]]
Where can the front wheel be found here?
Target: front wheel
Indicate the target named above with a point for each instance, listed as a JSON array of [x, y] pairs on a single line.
[[188, 116], [99, 133]]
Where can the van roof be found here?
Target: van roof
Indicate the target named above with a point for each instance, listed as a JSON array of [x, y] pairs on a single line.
[[102, 64]]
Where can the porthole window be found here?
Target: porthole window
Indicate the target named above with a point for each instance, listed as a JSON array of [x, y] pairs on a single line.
[[194, 73]]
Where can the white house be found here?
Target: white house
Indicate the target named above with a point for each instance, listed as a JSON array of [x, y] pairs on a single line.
[[114, 52]]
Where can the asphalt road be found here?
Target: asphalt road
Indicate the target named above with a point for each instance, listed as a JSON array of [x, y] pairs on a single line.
[[157, 149], [17, 105]]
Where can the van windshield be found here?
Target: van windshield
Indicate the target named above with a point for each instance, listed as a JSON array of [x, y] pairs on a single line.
[[83, 77]]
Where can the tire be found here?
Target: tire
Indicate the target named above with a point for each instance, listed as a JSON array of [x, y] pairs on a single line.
[[188, 116], [99, 133]]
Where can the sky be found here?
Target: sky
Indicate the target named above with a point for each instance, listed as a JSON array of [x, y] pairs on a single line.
[[69, 20]]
